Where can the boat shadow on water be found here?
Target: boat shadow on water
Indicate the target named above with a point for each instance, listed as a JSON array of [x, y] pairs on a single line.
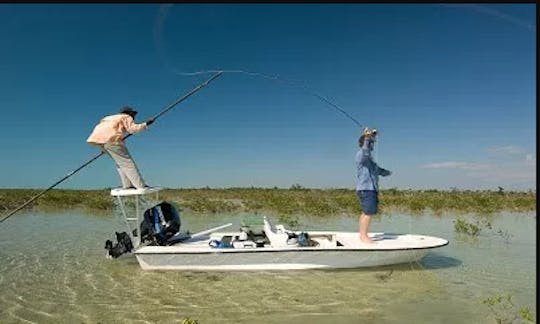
[[439, 261]]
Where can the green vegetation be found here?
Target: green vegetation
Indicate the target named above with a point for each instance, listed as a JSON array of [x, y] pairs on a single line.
[[288, 202], [472, 229], [188, 320], [56, 198], [505, 311], [462, 226]]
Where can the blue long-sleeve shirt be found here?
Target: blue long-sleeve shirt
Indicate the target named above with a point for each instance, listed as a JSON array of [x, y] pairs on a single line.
[[367, 171]]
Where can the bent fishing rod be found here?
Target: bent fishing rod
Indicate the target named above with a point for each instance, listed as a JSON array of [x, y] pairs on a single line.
[[169, 107]]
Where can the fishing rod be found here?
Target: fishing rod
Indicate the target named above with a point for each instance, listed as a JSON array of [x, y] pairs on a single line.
[[297, 84], [166, 109]]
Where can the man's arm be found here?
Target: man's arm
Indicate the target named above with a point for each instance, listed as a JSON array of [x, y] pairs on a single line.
[[366, 152], [130, 125]]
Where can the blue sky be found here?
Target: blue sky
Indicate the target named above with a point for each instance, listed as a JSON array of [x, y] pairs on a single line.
[[451, 88]]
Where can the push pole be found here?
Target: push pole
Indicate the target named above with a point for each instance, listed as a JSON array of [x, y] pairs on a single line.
[[169, 107]]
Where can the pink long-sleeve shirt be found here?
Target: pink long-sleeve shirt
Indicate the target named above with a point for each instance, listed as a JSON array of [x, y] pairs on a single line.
[[112, 129]]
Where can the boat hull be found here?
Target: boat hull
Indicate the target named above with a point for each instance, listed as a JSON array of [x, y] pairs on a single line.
[[335, 250], [276, 260]]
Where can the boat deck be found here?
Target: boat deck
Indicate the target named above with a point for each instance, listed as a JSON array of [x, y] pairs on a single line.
[[328, 241]]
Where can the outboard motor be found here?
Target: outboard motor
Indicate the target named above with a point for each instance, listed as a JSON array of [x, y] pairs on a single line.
[[160, 223]]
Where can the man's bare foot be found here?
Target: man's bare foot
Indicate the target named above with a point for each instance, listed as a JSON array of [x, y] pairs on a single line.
[[367, 240]]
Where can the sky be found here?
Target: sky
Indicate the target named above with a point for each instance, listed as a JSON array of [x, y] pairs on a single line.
[[450, 87]]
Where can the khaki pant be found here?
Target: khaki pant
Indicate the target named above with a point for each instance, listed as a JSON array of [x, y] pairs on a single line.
[[129, 174]]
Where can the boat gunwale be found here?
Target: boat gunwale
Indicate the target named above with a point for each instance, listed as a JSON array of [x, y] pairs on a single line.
[[279, 250]]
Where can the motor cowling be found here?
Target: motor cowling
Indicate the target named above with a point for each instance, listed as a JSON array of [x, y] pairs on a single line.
[[160, 223]]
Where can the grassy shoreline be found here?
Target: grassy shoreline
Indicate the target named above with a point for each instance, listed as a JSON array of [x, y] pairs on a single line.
[[295, 200]]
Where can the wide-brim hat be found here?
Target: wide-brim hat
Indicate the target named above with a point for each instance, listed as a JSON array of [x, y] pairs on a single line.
[[128, 110]]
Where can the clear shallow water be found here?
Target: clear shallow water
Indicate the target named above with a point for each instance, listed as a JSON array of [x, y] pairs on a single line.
[[53, 270]]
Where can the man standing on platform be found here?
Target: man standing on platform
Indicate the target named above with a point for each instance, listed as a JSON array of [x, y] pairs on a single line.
[[109, 136]]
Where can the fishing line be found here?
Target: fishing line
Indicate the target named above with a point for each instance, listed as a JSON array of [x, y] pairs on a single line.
[[161, 51], [277, 78], [159, 27]]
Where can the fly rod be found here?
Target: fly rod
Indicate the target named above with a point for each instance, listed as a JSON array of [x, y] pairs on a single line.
[[169, 107]]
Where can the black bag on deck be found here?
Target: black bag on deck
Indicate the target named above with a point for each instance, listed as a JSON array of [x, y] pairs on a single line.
[[304, 240], [160, 223]]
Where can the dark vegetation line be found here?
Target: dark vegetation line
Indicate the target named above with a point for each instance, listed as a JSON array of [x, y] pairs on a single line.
[[295, 200]]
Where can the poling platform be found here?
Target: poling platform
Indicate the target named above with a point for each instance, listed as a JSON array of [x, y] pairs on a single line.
[[132, 204], [133, 192]]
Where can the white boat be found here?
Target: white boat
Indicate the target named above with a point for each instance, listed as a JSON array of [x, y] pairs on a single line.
[[274, 248]]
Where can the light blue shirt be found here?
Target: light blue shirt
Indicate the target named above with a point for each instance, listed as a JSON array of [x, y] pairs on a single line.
[[367, 171]]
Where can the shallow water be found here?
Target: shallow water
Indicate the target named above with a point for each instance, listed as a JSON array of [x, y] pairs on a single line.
[[53, 270]]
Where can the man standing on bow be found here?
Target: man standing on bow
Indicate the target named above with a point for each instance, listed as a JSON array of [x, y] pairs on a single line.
[[109, 136], [367, 189]]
